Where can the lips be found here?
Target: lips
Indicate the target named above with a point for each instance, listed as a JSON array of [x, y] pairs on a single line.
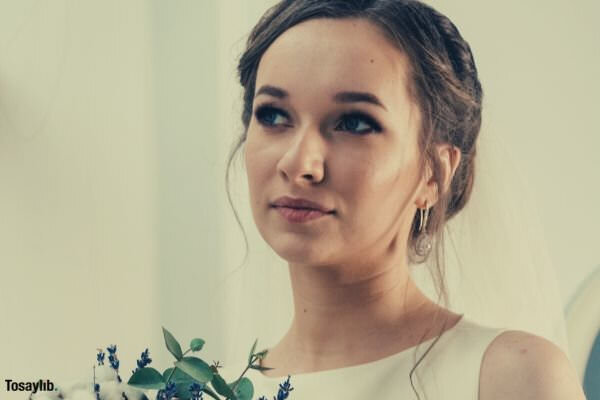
[[300, 215], [301, 204]]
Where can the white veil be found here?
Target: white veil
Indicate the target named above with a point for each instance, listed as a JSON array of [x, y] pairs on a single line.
[[498, 270]]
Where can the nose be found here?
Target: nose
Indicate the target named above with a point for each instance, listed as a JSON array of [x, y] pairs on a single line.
[[303, 162]]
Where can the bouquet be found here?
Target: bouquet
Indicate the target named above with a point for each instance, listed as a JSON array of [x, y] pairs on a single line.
[[190, 378]]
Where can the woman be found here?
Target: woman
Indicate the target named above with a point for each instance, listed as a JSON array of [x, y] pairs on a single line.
[[361, 122]]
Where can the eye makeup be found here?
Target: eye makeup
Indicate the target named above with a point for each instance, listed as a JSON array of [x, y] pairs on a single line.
[[267, 115]]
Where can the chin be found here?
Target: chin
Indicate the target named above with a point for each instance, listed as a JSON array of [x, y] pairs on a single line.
[[297, 251]]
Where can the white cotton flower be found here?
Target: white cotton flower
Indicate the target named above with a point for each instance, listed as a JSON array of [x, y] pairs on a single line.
[[111, 390], [134, 393], [53, 395], [68, 391], [106, 378], [105, 373], [82, 395], [114, 390]]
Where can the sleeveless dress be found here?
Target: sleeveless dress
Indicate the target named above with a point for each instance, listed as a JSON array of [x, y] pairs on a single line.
[[449, 371]]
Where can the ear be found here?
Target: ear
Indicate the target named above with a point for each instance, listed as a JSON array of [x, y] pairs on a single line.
[[449, 157]]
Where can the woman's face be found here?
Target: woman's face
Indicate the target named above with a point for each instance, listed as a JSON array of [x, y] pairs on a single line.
[[333, 123]]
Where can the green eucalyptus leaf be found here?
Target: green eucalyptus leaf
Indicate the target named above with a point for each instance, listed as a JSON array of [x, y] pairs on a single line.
[[196, 344], [210, 392], [147, 378], [167, 373], [178, 376], [172, 344], [252, 351], [182, 382], [221, 387], [183, 390], [244, 390], [196, 368]]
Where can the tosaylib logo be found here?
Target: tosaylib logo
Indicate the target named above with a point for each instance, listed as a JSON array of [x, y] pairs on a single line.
[[40, 385]]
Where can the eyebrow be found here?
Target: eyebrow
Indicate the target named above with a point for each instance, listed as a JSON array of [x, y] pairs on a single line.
[[341, 97]]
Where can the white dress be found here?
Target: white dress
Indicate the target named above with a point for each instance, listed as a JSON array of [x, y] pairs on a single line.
[[450, 371]]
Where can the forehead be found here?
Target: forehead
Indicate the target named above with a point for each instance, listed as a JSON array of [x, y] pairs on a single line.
[[321, 56]]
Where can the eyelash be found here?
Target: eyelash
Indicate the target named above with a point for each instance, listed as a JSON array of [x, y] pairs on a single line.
[[374, 127]]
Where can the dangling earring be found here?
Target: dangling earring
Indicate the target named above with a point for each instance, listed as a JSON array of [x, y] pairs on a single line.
[[423, 243]]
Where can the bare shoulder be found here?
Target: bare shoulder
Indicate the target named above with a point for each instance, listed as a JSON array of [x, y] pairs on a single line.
[[521, 365]]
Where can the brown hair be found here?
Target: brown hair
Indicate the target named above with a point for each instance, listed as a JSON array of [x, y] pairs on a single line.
[[443, 83]]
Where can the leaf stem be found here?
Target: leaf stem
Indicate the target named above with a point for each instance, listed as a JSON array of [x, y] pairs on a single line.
[[212, 395], [254, 357], [170, 375], [173, 371]]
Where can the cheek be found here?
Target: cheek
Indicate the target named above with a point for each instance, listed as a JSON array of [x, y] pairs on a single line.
[[254, 157], [378, 190], [260, 164], [382, 172]]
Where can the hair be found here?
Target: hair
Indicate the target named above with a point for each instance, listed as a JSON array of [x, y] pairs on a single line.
[[443, 83]]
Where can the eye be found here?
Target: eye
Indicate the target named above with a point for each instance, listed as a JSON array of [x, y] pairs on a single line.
[[355, 122], [270, 116], [358, 123]]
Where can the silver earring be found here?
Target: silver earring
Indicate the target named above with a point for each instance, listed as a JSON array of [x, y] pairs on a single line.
[[423, 243]]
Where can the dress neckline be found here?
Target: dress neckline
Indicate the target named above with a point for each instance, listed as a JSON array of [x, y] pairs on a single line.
[[359, 367]]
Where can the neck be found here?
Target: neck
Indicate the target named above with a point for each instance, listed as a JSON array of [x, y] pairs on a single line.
[[354, 309]]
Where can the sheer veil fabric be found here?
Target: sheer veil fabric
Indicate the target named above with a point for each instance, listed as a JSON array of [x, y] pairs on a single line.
[[498, 270]]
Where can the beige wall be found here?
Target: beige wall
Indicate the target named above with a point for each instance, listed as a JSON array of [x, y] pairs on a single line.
[[78, 204]]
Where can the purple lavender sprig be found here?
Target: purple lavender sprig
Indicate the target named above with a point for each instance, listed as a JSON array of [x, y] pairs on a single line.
[[284, 391], [97, 386], [167, 393], [114, 361], [196, 391], [145, 360], [100, 357]]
